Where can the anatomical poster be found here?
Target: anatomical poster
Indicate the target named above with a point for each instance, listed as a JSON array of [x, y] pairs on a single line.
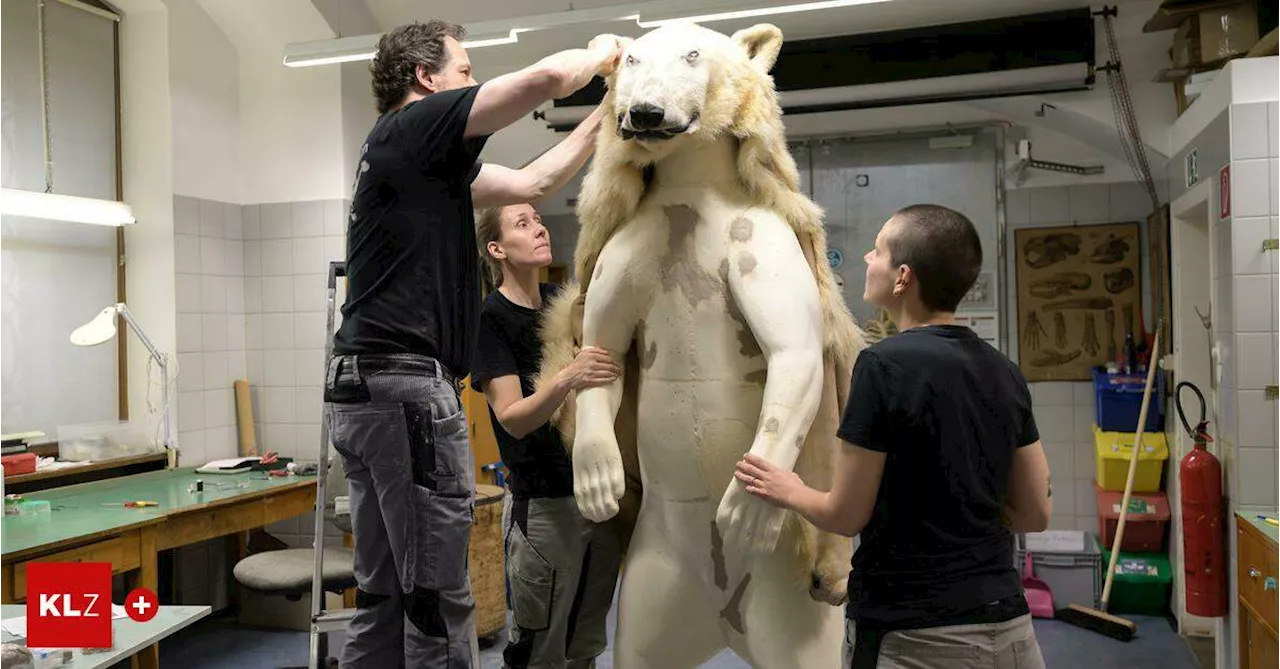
[[1079, 292]]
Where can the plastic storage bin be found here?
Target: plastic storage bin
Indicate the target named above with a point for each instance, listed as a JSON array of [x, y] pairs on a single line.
[[1144, 524], [1118, 401], [1069, 561], [19, 463], [1112, 452], [103, 441], [1141, 584]]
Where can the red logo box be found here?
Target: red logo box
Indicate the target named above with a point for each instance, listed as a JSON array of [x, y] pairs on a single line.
[[69, 605]]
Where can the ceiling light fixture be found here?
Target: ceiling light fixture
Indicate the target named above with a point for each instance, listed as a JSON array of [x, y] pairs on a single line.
[[511, 37], [499, 32], [364, 47], [31, 204], [330, 51], [752, 13]]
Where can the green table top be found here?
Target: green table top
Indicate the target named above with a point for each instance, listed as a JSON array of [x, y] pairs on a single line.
[[1250, 515], [128, 636], [81, 510]]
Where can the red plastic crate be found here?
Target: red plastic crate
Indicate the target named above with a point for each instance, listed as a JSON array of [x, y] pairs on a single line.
[[20, 463], [1144, 524]]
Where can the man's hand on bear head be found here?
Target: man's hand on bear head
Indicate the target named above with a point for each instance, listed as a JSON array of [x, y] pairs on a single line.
[[610, 48]]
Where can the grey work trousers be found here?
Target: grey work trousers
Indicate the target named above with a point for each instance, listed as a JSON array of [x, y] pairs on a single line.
[[397, 421], [1006, 645], [562, 570]]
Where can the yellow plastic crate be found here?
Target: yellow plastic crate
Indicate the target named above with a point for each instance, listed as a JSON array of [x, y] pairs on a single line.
[[1113, 450]]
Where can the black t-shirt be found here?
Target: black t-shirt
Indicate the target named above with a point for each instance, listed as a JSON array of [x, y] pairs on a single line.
[[949, 410], [507, 344], [413, 282]]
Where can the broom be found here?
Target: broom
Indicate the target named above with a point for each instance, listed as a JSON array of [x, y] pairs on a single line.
[[1093, 619]]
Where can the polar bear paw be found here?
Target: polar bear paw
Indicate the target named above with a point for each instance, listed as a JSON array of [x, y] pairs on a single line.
[[748, 523], [598, 477]]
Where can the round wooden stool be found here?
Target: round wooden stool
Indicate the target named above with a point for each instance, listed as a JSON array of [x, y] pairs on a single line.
[[488, 575]]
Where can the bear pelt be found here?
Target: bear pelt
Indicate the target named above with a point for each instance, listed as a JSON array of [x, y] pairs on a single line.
[[741, 103]]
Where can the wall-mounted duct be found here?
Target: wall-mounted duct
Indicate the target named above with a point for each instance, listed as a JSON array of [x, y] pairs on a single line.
[[1025, 81]]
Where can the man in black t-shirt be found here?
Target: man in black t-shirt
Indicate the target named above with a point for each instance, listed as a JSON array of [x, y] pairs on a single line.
[[562, 568], [942, 460], [413, 297]]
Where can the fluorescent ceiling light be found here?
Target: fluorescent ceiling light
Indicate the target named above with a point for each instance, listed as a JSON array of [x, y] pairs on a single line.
[[761, 11], [364, 47], [330, 51], [498, 32], [511, 38], [31, 204]]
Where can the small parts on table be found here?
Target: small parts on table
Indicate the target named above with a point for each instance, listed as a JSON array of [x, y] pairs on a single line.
[[133, 504]]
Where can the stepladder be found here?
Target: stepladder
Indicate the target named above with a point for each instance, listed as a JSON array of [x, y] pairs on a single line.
[[323, 621]]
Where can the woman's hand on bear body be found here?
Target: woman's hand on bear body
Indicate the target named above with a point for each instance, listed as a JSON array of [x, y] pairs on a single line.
[[590, 367]]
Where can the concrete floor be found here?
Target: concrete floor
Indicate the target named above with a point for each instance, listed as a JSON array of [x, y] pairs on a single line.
[[220, 643]]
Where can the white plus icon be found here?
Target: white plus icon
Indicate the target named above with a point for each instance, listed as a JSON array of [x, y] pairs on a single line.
[[141, 605]]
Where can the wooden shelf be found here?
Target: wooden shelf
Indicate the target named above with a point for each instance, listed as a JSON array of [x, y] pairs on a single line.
[[49, 478]]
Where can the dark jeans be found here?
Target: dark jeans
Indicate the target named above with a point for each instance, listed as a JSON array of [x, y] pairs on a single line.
[[397, 421]]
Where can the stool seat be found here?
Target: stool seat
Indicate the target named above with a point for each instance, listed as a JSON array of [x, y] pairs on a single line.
[[289, 571]]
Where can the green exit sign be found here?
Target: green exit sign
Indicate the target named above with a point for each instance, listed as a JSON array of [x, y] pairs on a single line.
[[1193, 168]]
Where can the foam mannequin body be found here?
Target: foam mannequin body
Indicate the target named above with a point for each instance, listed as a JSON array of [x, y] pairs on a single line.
[[703, 270]]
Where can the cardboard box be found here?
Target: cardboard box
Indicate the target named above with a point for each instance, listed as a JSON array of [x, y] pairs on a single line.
[[1172, 13], [1214, 35], [1268, 45], [1227, 33]]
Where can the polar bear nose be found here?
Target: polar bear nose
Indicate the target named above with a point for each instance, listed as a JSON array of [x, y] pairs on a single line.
[[645, 116]]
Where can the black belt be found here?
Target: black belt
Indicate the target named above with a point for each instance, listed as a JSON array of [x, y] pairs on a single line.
[[362, 364]]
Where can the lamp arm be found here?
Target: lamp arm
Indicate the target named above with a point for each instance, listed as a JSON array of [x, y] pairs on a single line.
[[160, 360]]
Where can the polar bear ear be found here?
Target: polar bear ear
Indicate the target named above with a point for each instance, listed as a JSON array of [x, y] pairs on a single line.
[[762, 43]]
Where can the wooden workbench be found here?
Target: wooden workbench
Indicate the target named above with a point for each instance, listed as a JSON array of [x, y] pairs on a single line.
[[88, 523]]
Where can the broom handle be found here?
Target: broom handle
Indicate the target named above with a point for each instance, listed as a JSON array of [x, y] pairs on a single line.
[[1133, 468]]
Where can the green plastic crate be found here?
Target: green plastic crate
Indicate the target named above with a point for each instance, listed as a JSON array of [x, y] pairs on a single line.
[[1141, 584]]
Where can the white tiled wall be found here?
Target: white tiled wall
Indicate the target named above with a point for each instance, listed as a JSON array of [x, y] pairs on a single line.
[[1246, 293], [209, 264], [1064, 411], [251, 300], [209, 250], [288, 247]]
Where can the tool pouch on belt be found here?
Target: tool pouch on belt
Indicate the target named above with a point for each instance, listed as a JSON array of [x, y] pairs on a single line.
[[866, 647]]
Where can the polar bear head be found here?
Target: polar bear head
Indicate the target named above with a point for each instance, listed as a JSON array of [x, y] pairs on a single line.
[[684, 80], [681, 84]]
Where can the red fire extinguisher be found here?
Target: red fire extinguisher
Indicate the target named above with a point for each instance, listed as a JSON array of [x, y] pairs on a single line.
[[1204, 540]]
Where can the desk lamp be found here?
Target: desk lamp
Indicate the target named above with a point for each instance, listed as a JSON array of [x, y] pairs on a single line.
[[103, 328]]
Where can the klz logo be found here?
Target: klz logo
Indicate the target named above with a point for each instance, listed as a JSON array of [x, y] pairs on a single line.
[[69, 605]]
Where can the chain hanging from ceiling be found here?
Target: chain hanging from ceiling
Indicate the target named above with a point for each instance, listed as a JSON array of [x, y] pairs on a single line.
[[1122, 106]]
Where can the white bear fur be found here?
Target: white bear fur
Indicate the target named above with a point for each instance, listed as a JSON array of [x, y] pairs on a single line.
[[707, 277]]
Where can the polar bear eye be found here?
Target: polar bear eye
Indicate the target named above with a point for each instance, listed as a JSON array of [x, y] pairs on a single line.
[[631, 60], [691, 56]]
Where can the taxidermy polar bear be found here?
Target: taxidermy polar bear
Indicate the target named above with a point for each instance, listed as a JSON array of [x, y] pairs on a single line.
[[703, 268]]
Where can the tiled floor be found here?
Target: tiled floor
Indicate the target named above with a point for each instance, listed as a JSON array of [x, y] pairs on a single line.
[[219, 643]]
